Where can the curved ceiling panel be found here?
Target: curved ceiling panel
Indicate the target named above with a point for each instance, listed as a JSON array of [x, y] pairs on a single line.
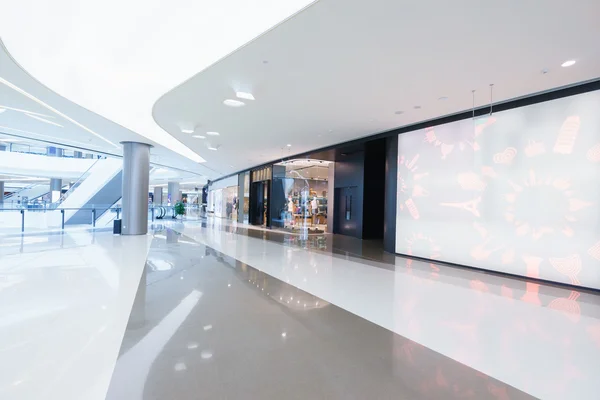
[[116, 58], [346, 69]]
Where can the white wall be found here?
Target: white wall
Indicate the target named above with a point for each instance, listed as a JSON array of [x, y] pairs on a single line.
[[516, 192]]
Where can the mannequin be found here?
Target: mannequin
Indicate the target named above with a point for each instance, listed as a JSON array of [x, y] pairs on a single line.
[[314, 205]]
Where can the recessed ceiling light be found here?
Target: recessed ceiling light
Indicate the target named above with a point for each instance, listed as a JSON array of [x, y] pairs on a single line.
[[244, 95], [568, 63], [2, 110], [199, 137], [265, 61], [399, 112], [187, 130], [213, 133], [443, 98], [212, 148], [234, 103], [417, 107], [289, 145]]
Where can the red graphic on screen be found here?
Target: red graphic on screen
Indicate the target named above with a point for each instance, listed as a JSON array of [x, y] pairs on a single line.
[[506, 157], [513, 192], [537, 203], [448, 141], [593, 154], [470, 205], [421, 241], [409, 186], [534, 148], [567, 135], [594, 251], [569, 266]]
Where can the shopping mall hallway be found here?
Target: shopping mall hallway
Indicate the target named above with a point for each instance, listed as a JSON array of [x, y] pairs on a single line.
[[204, 311]]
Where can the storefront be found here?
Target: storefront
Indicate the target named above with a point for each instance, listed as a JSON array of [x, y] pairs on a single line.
[[301, 196], [223, 199]]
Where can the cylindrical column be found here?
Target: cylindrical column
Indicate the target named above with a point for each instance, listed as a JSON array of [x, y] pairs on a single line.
[[56, 184], [174, 193], [136, 176], [158, 195], [55, 189]]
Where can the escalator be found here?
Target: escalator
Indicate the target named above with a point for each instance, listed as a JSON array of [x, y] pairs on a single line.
[[99, 188]]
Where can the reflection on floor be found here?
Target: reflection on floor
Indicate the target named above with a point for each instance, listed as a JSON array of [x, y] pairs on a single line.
[[216, 328], [200, 310]]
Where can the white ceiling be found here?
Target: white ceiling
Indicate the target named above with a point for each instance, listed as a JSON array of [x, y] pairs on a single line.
[[35, 113], [116, 57], [340, 69]]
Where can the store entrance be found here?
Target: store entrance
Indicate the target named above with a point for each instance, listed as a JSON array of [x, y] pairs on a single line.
[[259, 203], [300, 202]]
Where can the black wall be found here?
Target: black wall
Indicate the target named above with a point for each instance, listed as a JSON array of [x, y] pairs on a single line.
[[391, 187], [360, 173], [374, 192], [349, 180]]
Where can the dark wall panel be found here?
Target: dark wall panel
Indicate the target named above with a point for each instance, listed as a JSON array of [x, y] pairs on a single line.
[[349, 182], [374, 190], [391, 188]]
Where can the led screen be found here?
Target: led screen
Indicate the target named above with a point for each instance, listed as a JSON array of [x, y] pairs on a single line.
[[516, 191]]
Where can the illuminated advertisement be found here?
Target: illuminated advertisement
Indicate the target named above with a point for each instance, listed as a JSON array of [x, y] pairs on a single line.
[[515, 191]]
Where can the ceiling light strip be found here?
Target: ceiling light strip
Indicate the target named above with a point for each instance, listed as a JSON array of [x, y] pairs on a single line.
[[25, 111], [31, 97], [44, 120]]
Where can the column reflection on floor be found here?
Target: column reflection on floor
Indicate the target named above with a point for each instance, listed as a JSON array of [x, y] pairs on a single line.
[[207, 326]]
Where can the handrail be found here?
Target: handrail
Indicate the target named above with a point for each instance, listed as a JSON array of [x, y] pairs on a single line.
[[20, 190], [74, 186]]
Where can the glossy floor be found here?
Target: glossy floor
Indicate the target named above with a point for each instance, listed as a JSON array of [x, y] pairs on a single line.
[[201, 310]]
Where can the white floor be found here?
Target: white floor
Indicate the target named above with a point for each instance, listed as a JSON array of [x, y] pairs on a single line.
[[63, 312]]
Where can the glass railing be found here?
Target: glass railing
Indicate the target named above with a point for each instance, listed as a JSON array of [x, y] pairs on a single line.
[[75, 185], [15, 220]]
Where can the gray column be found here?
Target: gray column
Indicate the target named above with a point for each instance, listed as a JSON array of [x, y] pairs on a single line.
[[89, 156], [174, 192], [136, 176], [77, 154], [158, 195], [1, 194], [55, 184]]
